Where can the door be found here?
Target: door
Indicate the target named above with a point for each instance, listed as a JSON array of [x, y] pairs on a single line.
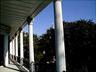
[[1, 49]]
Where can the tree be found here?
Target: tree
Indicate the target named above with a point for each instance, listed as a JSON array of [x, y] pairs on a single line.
[[80, 44], [80, 39]]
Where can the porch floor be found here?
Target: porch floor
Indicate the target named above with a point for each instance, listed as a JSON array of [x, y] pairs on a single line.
[[7, 69]]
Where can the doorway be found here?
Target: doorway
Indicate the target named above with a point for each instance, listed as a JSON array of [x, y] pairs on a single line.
[[1, 49]]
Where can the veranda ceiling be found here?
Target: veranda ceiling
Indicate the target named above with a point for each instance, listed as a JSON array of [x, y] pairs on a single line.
[[13, 13]]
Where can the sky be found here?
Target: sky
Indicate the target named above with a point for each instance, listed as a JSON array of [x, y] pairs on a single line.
[[72, 10]]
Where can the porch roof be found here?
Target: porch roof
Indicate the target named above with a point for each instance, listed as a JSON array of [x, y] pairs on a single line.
[[13, 13]]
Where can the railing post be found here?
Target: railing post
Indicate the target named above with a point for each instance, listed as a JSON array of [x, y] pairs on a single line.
[[59, 37]]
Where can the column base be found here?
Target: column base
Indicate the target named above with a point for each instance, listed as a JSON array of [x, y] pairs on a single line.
[[32, 67], [21, 61]]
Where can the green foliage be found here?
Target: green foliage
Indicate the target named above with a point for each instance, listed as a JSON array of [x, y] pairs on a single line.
[[80, 38], [80, 44], [46, 46]]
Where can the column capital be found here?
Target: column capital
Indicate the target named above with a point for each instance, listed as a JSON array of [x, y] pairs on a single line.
[[29, 19], [20, 29]]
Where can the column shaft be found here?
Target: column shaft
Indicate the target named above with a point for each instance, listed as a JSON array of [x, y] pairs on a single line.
[[21, 47], [59, 37], [13, 48], [31, 48], [16, 39]]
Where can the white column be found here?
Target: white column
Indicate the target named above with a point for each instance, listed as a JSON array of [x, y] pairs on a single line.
[[59, 37], [13, 48], [31, 48], [6, 50], [16, 46], [21, 47], [16, 39]]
